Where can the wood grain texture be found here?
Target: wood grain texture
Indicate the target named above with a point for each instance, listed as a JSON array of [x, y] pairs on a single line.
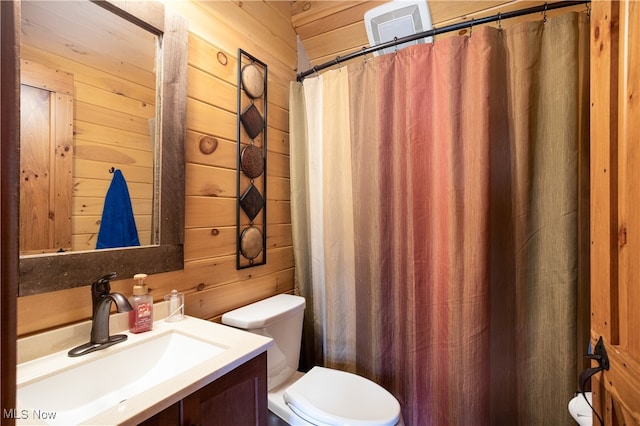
[[10, 190], [603, 166], [209, 279], [172, 181], [110, 126], [629, 181], [328, 28], [239, 397], [615, 194]]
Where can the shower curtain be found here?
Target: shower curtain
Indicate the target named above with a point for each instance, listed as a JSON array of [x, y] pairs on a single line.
[[439, 212]]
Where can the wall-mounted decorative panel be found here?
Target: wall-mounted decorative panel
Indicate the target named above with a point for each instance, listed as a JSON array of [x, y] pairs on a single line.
[[251, 211]]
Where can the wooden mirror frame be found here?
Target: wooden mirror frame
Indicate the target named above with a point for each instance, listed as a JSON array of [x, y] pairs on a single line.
[[10, 191], [44, 273]]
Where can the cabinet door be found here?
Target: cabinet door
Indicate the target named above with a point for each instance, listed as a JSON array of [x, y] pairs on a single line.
[[615, 207], [238, 398], [168, 417]]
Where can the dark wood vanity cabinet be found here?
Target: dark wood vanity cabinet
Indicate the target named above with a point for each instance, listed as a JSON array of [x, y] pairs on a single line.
[[238, 398]]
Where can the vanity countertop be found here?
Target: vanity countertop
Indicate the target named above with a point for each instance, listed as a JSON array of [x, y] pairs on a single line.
[[233, 348]]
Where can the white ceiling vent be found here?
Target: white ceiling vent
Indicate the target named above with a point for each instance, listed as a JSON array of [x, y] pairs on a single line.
[[398, 18]]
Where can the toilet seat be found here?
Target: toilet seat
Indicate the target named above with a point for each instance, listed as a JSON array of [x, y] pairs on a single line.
[[330, 397]]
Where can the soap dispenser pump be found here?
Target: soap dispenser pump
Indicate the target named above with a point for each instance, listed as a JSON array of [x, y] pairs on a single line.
[[141, 317]]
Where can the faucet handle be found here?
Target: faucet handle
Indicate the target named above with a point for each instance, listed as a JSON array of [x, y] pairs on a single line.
[[101, 288]]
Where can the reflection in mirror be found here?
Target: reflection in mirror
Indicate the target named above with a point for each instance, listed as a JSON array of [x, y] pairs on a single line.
[[88, 108], [92, 124]]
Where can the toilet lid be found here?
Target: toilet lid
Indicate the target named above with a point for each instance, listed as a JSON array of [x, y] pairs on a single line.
[[331, 397]]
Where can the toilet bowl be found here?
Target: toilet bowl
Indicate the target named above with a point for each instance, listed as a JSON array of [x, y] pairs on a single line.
[[580, 409], [322, 396]]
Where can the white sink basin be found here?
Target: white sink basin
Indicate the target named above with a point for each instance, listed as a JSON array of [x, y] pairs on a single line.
[[77, 393], [131, 380]]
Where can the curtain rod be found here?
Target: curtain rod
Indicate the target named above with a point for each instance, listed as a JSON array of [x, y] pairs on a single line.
[[435, 31]]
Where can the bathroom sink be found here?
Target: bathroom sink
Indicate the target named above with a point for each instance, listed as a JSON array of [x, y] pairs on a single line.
[[127, 381], [77, 393]]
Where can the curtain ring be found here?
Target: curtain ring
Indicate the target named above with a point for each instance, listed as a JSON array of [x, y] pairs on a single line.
[[544, 13], [588, 5], [315, 71], [471, 28], [500, 21], [395, 41]]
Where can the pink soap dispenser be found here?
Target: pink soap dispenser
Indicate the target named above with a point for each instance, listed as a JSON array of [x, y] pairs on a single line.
[[141, 316]]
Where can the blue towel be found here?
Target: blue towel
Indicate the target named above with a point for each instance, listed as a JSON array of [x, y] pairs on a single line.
[[118, 226]]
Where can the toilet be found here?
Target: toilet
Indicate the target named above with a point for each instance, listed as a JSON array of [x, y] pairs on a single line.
[[580, 408], [322, 396]]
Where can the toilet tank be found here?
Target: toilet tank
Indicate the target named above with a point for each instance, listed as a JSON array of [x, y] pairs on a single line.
[[279, 317]]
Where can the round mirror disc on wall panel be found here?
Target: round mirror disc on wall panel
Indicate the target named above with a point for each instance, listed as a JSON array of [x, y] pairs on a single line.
[[251, 242], [252, 81], [252, 161]]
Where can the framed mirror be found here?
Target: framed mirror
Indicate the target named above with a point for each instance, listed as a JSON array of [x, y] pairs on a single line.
[[102, 128]]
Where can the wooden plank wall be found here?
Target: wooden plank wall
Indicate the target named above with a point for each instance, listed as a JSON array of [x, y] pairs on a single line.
[[114, 104], [209, 279], [615, 189], [265, 30], [334, 28], [111, 129], [46, 169]]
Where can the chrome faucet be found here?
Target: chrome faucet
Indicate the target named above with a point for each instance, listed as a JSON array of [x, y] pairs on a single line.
[[102, 297]]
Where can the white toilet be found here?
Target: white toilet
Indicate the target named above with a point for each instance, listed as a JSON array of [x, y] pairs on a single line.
[[580, 409], [322, 396]]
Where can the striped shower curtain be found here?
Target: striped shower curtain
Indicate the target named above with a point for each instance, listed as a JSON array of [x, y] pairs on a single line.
[[440, 219]]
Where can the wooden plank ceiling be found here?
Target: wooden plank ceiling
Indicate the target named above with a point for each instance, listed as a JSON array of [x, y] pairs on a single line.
[[334, 28], [90, 35]]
